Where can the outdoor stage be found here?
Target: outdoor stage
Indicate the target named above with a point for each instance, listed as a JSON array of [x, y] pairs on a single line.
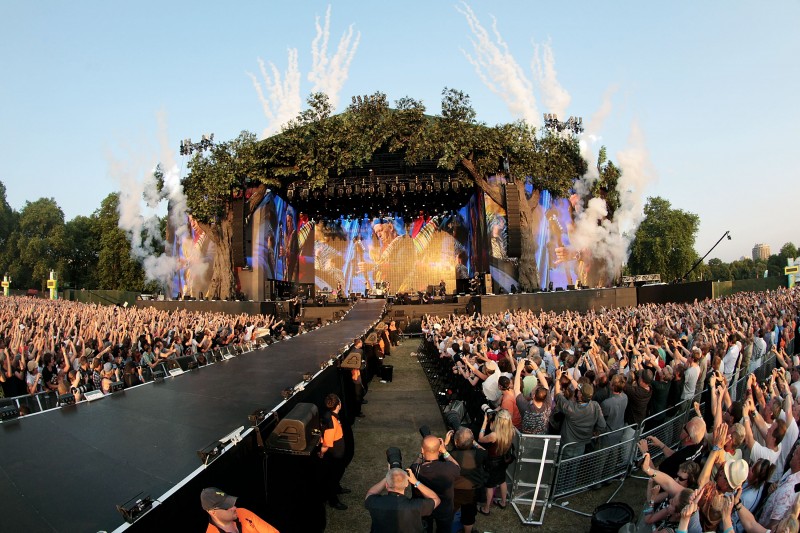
[[67, 469]]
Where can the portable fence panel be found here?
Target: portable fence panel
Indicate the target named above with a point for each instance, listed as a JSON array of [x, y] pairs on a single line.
[[533, 474], [578, 469], [669, 432]]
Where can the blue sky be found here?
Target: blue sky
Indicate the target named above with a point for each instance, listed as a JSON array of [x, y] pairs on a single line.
[[711, 85]]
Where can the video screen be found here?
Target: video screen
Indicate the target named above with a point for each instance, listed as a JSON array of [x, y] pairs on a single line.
[[398, 255]]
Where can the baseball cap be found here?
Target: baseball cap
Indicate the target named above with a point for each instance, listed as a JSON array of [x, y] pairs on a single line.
[[107, 367], [32, 366], [214, 498]]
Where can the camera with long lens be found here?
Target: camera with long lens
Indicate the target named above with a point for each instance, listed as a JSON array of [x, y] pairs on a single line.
[[394, 457], [81, 389], [488, 409]]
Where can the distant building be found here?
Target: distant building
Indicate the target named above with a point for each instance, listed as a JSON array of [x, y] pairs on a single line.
[[761, 251]]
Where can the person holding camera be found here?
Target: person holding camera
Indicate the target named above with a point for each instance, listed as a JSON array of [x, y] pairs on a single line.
[[439, 474], [582, 416], [393, 512], [471, 457], [499, 447]]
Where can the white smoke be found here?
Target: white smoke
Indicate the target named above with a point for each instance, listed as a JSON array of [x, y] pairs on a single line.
[[279, 94], [282, 102], [139, 205], [592, 231], [556, 99], [329, 74], [606, 239], [499, 71]]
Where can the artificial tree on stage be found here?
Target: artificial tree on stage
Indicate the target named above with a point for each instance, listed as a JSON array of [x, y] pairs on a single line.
[[318, 146], [215, 180]]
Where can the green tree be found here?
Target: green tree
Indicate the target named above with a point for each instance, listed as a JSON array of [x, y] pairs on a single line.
[[39, 243], [9, 221], [81, 240], [116, 269], [606, 186], [775, 265], [719, 271], [664, 242], [788, 250]]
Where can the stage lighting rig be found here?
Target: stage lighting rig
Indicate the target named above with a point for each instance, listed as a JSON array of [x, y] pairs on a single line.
[[573, 124], [188, 147]]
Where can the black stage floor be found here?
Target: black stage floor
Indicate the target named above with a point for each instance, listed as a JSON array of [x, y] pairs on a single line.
[[67, 469]]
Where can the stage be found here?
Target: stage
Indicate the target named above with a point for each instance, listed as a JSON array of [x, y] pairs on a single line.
[[67, 469]]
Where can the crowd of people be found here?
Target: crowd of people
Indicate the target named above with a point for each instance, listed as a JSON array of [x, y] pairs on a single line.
[[69, 347], [593, 377]]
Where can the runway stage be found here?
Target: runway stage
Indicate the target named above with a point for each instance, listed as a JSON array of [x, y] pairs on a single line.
[[67, 469]]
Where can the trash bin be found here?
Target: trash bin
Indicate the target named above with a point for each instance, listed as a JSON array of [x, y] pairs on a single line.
[[610, 517]]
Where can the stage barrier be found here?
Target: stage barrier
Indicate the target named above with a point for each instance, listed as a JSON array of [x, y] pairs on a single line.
[[44, 401]]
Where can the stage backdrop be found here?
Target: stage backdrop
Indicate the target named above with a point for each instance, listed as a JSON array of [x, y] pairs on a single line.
[[398, 254]]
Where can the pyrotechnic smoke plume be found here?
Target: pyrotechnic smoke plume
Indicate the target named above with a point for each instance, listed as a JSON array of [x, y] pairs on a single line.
[[495, 65], [556, 99], [499, 71], [280, 95], [141, 222], [329, 74], [282, 102]]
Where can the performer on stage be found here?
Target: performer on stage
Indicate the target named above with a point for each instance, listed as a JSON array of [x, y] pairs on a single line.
[[442, 288], [394, 261], [290, 249]]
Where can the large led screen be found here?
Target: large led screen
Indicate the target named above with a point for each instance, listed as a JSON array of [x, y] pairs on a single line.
[[396, 254]]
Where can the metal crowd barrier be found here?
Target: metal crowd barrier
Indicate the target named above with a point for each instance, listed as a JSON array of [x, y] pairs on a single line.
[[546, 472]]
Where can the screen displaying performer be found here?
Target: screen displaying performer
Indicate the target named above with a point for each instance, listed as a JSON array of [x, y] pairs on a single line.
[[393, 255], [284, 242], [195, 255]]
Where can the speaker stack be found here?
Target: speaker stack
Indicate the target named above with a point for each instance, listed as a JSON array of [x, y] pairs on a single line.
[[514, 248]]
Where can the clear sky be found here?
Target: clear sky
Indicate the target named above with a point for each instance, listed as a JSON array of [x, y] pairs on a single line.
[[712, 86]]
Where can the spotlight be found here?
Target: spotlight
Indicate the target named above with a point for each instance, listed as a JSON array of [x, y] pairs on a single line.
[[135, 507]]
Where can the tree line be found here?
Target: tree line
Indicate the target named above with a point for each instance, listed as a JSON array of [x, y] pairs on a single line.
[[87, 252], [664, 244]]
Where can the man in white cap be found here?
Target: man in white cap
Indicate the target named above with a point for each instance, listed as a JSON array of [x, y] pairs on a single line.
[[225, 516]]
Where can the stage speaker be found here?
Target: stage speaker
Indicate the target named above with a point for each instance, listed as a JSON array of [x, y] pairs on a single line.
[[514, 231], [237, 239], [487, 284], [298, 431], [570, 287], [352, 361]]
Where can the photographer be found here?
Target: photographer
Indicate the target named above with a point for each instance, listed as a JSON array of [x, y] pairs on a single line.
[[472, 460], [439, 475], [393, 512]]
